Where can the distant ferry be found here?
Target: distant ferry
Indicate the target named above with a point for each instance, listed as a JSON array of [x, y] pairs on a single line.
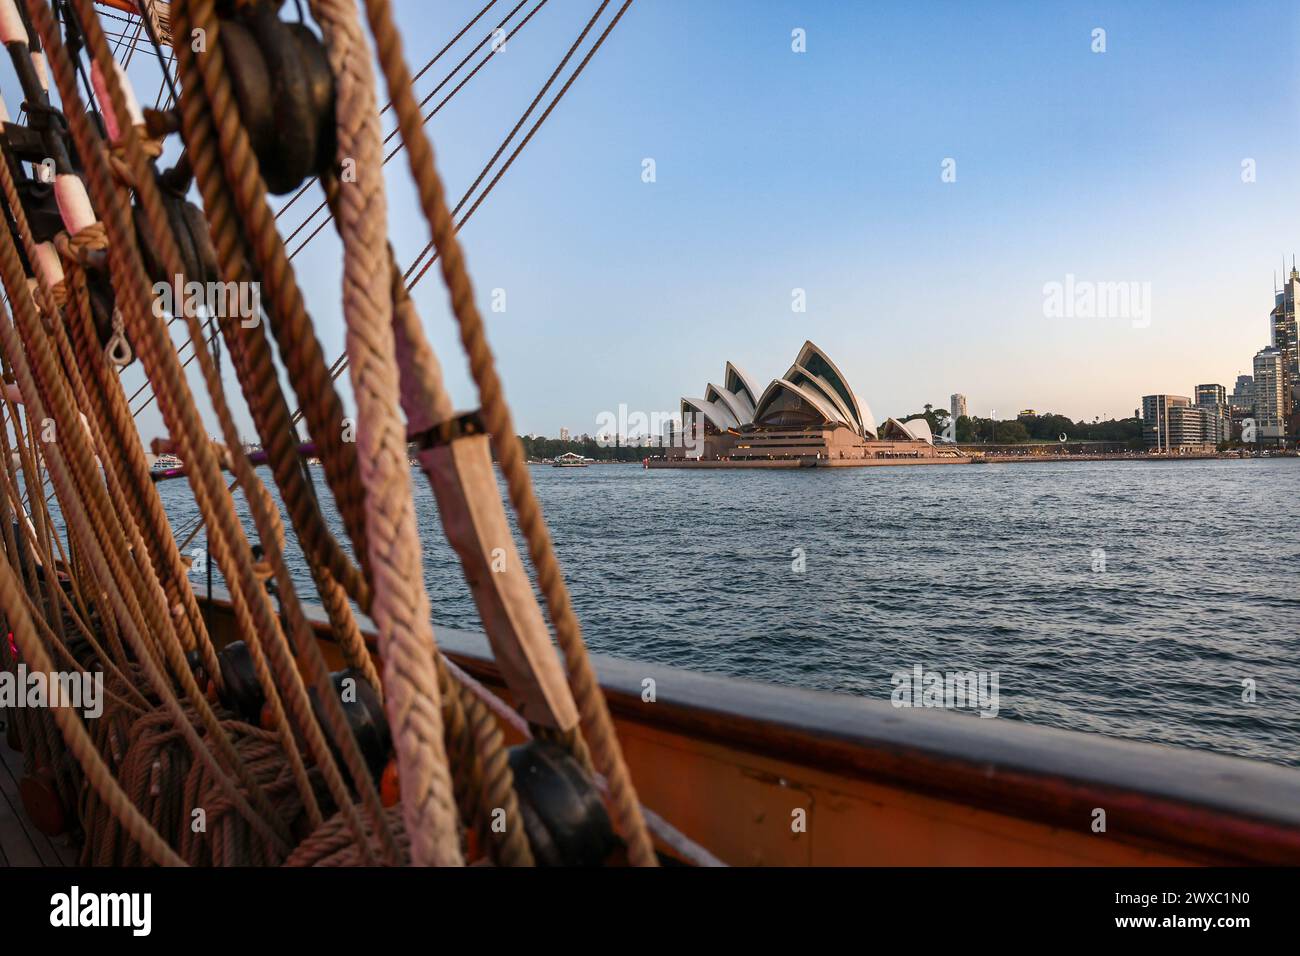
[[163, 462], [570, 460]]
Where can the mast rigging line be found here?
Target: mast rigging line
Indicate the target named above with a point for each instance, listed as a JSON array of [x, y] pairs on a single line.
[[393, 132], [341, 363], [163, 61], [150, 398], [415, 79], [535, 127]]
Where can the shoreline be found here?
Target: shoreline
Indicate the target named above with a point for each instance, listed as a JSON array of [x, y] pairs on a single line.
[[792, 464], [796, 463], [1027, 459]]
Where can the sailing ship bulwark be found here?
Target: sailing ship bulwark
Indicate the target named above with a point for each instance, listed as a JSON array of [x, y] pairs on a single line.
[[777, 776]]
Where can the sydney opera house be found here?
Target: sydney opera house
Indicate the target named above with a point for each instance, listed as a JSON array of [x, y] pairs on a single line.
[[808, 417]]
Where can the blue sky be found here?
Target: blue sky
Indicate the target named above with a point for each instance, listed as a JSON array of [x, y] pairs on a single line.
[[821, 170]]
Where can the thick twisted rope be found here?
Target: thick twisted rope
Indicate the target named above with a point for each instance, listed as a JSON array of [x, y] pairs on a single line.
[[332, 844], [176, 403], [299, 348], [597, 726], [401, 607]]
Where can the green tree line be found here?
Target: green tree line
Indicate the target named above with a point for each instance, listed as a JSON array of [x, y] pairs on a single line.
[[537, 448], [1032, 428]]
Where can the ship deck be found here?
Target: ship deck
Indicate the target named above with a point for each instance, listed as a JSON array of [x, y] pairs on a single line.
[[21, 844]]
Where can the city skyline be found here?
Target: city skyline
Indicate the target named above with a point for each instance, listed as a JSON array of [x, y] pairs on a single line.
[[1284, 296], [1159, 162]]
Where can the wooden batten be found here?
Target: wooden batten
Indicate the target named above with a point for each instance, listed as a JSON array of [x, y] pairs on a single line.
[[474, 520]]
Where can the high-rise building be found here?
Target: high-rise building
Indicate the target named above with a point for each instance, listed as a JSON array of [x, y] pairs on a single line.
[[564, 434], [1213, 400], [1270, 396], [1155, 419], [1211, 395], [1282, 321], [1171, 423], [958, 406], [1243, 393]]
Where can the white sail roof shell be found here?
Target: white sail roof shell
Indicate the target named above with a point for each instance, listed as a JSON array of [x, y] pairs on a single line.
[[815, 399], [717, 413], [919, 428], [741, 410]]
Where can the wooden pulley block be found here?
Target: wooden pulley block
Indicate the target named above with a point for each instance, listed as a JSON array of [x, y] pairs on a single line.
[[242, 693], [189, 229], [365, 715], [41, 207], [562, 810], [285, 92]]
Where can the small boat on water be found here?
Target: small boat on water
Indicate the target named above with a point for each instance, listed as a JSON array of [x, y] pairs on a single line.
[[570, 460]]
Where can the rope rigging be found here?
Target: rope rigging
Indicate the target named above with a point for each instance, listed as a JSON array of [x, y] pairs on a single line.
[[337, 369], [454, 70], [340, 364], [384, 753]]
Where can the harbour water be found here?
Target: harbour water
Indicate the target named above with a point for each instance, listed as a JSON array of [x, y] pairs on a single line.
[[1142, 600]]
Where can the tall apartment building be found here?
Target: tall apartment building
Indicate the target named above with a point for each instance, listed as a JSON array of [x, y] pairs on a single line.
[[1282, 321], [1211, 395], [1270, 392], [958, 406], [1172, 424], [1213, 400], [1243, 393]]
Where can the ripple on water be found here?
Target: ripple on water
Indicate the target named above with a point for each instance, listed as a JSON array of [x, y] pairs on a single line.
[[952, 568]]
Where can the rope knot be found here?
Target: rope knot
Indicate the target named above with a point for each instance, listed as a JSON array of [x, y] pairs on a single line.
[[84, 247], [58, 293], [119, 159]]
